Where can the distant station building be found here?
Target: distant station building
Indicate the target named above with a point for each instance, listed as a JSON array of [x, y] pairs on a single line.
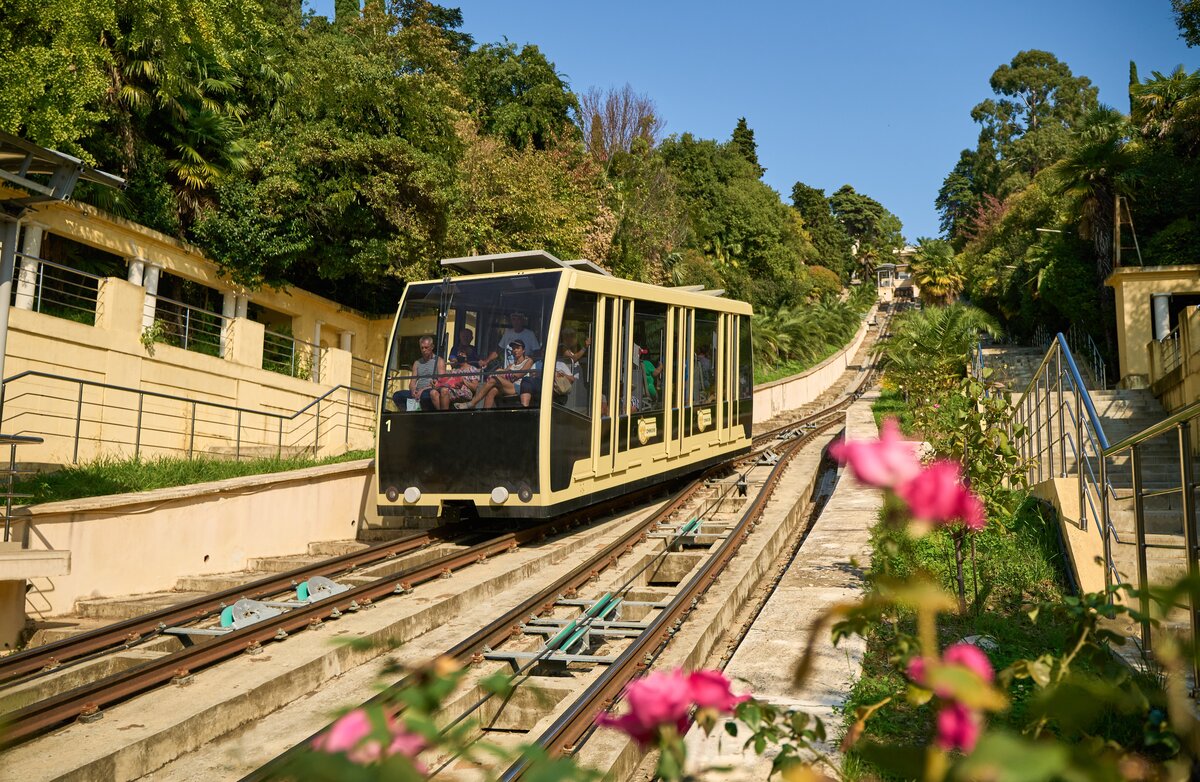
[[1158, 331]]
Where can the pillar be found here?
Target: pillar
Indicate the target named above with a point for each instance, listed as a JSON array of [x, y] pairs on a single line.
[[137, 270], [31, 253], [346, 341], [150, 281], [316, 352], [1161, 306], [243, 307], [228, 313]]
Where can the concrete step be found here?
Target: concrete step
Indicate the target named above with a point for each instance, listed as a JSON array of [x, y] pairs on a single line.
[[128, 606], [217, 582], [335, 548], [280, 564]]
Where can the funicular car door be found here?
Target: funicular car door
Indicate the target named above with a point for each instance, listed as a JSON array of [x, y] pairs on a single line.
[[640, 366], [702, 390], [681, 373]]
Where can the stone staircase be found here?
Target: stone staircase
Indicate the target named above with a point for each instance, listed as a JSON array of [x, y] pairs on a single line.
[[1122, 413]]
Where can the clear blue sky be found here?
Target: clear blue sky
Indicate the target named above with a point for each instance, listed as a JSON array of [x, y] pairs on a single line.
[[875, 93]]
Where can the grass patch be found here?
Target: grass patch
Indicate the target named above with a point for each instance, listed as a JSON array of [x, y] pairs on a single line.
[[1018, 566], [116, 476], [891, 404]]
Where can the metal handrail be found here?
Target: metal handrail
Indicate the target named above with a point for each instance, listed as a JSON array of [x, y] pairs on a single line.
[[1162, 427], [55, 265], [10, 475], [240, 412], [1073, 370]]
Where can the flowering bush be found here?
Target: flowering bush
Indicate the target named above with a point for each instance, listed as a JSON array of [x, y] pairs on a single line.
[[660, 709]]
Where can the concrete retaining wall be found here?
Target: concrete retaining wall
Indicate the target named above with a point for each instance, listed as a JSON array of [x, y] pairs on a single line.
[[131, 543], [771, 399]]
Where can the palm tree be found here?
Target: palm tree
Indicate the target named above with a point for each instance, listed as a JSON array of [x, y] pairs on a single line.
[[1092, 174], [937, 272], [1154, 102], [930, 349]]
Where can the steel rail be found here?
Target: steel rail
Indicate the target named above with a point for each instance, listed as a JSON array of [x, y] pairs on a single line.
[[564, 735], [505, 626], [24, 723], [134, 630]]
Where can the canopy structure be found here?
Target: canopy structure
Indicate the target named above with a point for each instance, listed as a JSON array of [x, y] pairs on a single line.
[[38, 174], [516, 262], [45, 174]]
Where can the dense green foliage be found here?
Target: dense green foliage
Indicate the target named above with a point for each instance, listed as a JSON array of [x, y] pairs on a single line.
[[1032, 210], [347, 156], [118, 476], [789, 340]]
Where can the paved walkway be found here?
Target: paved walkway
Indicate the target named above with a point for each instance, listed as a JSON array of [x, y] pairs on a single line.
[[821, 575]]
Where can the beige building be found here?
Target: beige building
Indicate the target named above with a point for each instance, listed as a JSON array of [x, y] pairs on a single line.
[[124, 340], [1158, 331]]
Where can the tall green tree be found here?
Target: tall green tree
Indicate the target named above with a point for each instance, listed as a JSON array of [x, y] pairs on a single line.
[[153, 91], [829, 239], [868, 223], [353, 177], [518, 95], [743, 140], [755, 242], [1027, 125], [1187, 16]]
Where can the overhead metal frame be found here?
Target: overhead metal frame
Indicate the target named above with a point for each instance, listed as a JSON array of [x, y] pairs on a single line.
[[56, 174]]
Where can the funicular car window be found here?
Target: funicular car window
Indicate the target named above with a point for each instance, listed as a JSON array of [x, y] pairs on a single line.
[[571, 387], [487, 338]]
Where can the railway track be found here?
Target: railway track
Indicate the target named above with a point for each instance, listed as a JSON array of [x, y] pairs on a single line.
[[574, 724], [89, 698]]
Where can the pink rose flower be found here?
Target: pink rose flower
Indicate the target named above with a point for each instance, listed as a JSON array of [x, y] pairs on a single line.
[[916, 670], [887, 462], [970, 657], [344, 734], [958, 727], [973, 514], [655, 700], [935, 494], [351, 735], [711, 690]]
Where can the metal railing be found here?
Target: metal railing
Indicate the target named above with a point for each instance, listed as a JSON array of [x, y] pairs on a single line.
[[54, 289], [1162, 460], [1148, 478], [10, 477], [1062, 430], [1084, 348], [71, 414], [365, 374], [287, 355], [188, 327], [1166, 355]]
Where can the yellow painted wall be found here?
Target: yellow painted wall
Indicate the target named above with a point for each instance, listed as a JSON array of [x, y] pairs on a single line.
[[1134, 287], [105, 420]]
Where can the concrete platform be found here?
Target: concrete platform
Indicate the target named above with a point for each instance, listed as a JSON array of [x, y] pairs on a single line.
[[827, 570]]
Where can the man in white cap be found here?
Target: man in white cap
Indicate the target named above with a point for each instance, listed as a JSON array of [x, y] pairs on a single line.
[[516, 331]]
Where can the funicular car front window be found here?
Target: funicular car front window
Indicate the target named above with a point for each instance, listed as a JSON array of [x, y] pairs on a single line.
[[466, 343]]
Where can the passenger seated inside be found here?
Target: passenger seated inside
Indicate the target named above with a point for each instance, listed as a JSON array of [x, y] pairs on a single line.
[[505, 382], [518, 330], [425, 370], [564, 374], [465, 344], [458, 385]]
